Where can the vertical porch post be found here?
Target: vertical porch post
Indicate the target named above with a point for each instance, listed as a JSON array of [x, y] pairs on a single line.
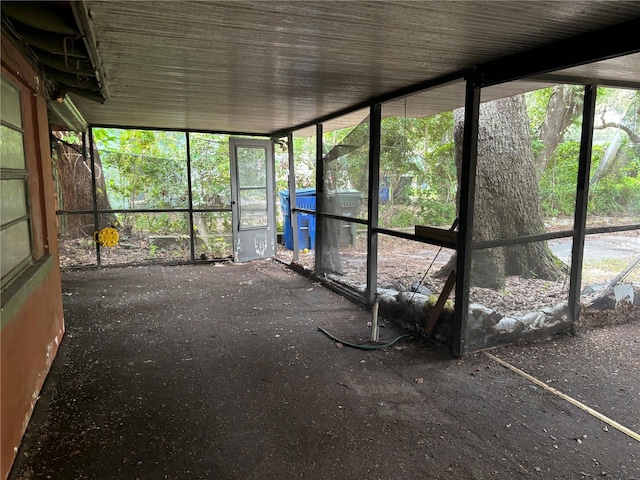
[[292, 197], [582, 193], [94, 193], [375, 119], [192, 240], [465, 212], [319, 198]]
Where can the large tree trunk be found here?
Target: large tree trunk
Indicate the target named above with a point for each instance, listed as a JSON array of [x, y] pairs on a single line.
[[563, 106], [72, 173], [506, 200]]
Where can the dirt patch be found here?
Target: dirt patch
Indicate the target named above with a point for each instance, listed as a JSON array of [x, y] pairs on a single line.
[[592, 318], [81, 252], [207, 371], [403, 263], [132, 250], [596, 367]]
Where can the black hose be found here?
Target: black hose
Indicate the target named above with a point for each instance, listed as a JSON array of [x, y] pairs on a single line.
[[365, 346]]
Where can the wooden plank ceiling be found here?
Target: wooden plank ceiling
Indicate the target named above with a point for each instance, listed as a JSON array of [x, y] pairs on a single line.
[[264, 66]]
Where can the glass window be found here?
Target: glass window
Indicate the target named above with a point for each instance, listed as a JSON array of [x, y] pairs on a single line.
[[10, 106], [15, 246], [14, 205], [12, 148], [15, 230]]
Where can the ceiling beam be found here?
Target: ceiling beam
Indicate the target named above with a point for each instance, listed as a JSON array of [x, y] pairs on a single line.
[[582, 80], [610, 42]]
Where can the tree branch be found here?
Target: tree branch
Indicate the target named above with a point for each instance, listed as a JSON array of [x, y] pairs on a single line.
[[635, 138]]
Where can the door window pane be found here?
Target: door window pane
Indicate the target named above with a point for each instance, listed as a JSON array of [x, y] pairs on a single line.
[[252, 168], [253, 208]]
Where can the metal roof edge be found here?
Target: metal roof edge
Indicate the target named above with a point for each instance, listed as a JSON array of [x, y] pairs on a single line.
[[83, 20], [69, 114]]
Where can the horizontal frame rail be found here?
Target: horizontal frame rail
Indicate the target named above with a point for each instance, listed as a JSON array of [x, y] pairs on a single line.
[[551, 236], [612, 229], [182, 130], [145, 210], [506, 242], [411, 236]]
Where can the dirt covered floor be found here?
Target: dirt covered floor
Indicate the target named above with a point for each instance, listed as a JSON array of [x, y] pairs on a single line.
[[219, 372]]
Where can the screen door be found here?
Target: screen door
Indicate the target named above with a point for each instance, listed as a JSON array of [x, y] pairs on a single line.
[[252, 205]]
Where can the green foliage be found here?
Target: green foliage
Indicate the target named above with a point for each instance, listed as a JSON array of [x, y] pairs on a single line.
[[615, 194], [282, 168], [537, 105], [146, 169], [350, 169], [423, 150], [216, 239], [434, 207], [211, 174], [619, 192], [417, 168], [304, 155], [143, 169], [402, 218], [71, 137], [164, 223], [220, 247], [558, 181]]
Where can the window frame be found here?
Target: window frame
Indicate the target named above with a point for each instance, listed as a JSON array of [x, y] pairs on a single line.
[[17, 174]]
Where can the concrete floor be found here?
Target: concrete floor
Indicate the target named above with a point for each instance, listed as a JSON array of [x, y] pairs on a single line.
[[219, 372]]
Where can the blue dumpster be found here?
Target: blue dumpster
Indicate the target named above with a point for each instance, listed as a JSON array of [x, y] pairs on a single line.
[[305, 198]]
